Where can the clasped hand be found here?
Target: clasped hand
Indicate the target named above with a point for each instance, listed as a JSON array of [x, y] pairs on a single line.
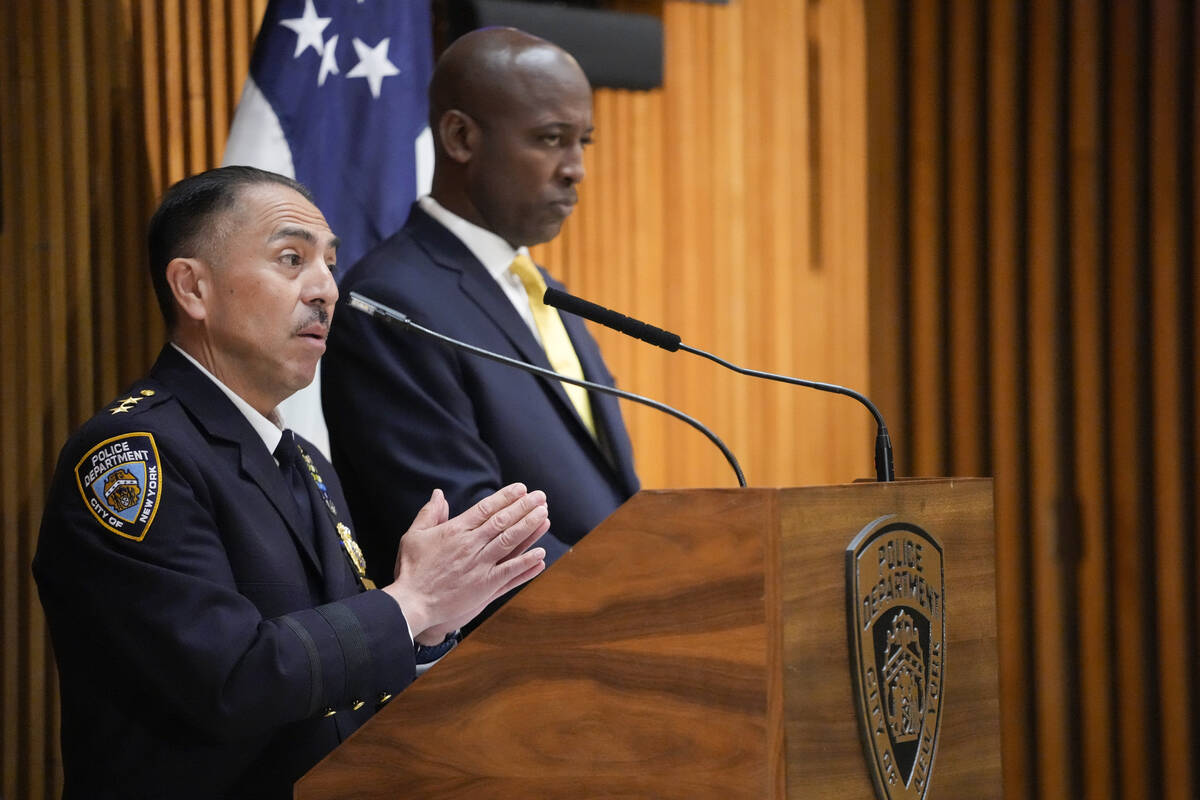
[[448, 570]]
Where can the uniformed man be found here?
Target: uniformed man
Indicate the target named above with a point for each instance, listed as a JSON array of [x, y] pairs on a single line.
[[213, 624]]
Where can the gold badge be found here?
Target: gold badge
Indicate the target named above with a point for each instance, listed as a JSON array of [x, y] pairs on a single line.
[[896, 595], [355, 553]]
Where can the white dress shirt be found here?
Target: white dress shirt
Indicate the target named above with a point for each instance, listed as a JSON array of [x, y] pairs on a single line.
[[492, 251]]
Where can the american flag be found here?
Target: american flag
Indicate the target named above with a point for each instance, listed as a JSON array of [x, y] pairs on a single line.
[[336, 98]]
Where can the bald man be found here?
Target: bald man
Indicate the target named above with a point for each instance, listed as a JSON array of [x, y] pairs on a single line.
[[511, 115]]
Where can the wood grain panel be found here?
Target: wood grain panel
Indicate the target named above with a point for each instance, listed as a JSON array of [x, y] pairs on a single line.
[[1009, 436], [701, 223], [97, 93], [786, 229], [1091, 472], [38, 401], [849, 449], [681, 663], [650, 650], [822, 737], [1127, 353], [19, 91], [1167, 311], [886, 138], [100, 317], [1088, 347], [1190, 158], [1046, 303], [966, 240], [926, 199]]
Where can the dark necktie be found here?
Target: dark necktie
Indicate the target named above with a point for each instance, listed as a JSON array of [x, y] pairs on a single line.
[[287, 453]]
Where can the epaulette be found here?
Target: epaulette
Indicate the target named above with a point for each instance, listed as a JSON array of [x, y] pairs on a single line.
[[139, 397]]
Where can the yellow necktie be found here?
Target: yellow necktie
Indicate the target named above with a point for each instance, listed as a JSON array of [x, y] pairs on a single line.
[[558, 347]]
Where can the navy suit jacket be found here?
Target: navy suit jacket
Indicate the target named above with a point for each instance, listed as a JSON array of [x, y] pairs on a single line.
[[407, 414], [201, 638]]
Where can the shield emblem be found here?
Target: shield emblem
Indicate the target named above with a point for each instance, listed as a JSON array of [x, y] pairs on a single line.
[[120, 484], [895, 589]]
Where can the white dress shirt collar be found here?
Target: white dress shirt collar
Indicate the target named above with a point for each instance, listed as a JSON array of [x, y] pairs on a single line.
[[269, 431], [492, 251]]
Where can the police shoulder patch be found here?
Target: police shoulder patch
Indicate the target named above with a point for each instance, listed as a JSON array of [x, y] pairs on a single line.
[[120, 482]]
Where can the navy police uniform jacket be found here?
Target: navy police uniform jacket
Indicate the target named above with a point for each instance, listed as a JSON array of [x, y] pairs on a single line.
[[201, 639], [407, 414]]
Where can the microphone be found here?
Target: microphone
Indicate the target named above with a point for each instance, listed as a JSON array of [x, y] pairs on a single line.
[[390, 315], [884, 467], [611, 319]]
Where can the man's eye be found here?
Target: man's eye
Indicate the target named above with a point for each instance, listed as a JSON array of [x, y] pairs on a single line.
[[552, 139], [292, 259]]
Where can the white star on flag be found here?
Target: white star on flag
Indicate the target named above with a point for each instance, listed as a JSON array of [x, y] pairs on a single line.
[[308, 28], [373, 64], [328, 60], [364, 161]]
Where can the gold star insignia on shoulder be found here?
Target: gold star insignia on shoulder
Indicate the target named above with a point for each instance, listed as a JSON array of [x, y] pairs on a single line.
[[123, 406]]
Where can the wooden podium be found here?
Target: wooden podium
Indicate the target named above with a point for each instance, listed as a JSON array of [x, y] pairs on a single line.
[[694, 645]]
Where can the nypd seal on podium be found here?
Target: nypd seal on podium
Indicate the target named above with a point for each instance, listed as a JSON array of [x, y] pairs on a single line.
[[895, 588]]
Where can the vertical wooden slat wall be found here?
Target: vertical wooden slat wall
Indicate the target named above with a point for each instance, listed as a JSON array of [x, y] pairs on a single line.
[[1031, 173], [104, 103], [1033, 272], [728, 206]]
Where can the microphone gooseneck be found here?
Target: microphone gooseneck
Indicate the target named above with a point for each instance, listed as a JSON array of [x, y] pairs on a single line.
[[611, 319], [884, 465], [392, 316]]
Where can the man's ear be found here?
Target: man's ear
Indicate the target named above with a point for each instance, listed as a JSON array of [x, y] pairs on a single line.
[[459, 135], [189, 279]]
